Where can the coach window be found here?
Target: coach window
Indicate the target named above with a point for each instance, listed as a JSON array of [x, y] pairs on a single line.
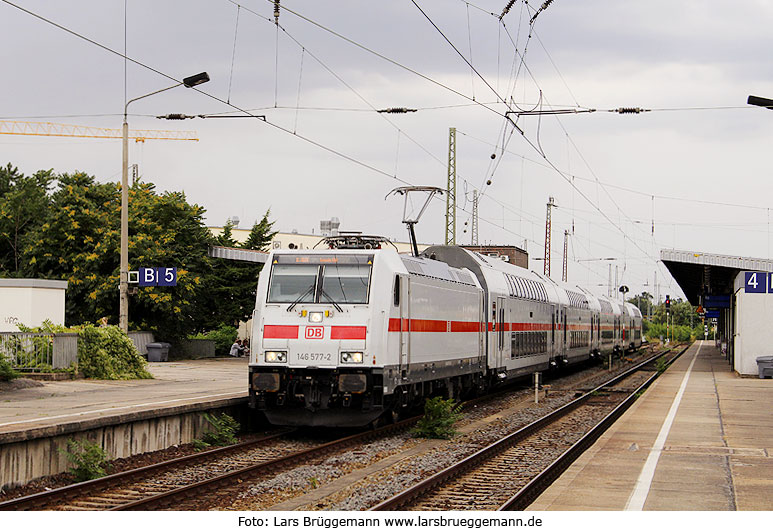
[[510, 288], [397, 290]]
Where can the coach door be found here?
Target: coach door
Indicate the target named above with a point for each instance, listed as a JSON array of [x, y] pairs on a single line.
[[403, 298], [553, 320], [501, 316], [598, 329]]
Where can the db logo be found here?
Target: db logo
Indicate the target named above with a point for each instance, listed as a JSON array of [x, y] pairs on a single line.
[[315, 333]]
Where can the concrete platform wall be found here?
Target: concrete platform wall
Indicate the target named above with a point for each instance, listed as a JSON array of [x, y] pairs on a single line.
[[30, 454]]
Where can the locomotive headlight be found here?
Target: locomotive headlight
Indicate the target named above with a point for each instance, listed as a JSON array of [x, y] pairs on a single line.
[[316, 317], [276, 356], [351, 357]]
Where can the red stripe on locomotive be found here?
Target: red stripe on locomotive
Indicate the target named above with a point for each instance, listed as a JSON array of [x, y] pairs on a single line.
[[348, 332], [287, 332]]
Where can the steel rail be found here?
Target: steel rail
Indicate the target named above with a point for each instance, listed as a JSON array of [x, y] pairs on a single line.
[[47, 498], [61, 495], [543, 480], [165, 500], [407, 496]]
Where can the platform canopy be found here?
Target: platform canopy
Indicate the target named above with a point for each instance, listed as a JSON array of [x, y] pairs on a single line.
[[244, 255], [699, 273]]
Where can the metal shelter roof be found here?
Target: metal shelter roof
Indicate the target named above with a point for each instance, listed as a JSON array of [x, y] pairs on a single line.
[[700, 273], [246, 255]]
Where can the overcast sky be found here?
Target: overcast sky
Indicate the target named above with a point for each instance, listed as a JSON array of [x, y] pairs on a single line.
[[323, 150]]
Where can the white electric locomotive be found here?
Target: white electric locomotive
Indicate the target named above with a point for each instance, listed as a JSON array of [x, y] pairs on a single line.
[[342, 337]]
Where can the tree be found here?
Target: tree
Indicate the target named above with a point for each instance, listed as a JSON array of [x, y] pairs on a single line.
[[681, 313], [23, 203], [261, 234], [643, 302], [79, 240], [73, 233], [226, 238], [233, 284], [166, 231]]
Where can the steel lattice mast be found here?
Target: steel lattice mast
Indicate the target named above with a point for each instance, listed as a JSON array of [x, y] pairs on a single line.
[[564, 276], [474, 217], [451, 190], [548, 230]]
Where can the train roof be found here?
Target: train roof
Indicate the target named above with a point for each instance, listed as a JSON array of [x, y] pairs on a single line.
[[398, 262], [558, 291]]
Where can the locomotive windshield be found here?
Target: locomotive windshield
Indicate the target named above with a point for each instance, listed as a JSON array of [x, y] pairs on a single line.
[[345, 283], [291, 282], [338, 279]]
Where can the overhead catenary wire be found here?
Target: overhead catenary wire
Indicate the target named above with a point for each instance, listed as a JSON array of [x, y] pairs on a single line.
[[550, 163], [430, 79], [233, 53], [221, 100], [296, 108]]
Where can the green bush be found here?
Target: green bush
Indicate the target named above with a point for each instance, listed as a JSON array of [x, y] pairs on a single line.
[[224, 429], [224, 337], [107, 353], [89, 459], [7, 373], [678, 333], [439, 418]]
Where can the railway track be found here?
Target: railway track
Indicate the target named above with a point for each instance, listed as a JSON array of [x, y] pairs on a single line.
[[510, 473], [111, 490], [182, 482], [201, 480]]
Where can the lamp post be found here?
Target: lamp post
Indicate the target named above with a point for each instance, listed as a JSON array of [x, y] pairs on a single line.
[[760, 102], [123, 280]]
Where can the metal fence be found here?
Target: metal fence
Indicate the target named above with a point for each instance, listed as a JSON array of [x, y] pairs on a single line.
[[39, 351], [65, 350]]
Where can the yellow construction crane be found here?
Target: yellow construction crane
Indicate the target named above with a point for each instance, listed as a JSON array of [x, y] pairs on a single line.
[[49, 129]]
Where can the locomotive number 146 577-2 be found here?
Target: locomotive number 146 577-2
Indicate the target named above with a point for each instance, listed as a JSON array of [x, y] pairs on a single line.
[[315, 357]]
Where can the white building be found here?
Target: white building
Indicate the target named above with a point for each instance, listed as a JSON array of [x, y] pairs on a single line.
[[30, 302]]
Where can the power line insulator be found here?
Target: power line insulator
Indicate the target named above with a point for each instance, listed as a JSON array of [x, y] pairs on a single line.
[[506, 9], [175, 116], [276, 12], [396, 110], [629, 110]]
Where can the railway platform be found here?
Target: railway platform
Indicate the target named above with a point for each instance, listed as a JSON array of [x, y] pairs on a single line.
[[700, 438], [125, 417]]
